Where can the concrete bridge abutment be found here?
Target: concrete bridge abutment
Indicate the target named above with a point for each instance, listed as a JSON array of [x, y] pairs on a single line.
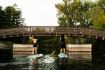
[[98, 50]]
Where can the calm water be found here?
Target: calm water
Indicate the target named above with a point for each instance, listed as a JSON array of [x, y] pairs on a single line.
[[75, 61]]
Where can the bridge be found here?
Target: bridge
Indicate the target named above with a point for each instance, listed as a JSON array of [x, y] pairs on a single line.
[[98, 48], [52, 31]]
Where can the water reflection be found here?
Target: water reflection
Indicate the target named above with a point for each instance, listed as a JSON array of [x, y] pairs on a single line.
[[62, 63], [45, 63], [74, 62], [33, 65]]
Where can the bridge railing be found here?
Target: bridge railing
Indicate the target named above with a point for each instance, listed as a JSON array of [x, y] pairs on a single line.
[[93, 32], [51, 30]]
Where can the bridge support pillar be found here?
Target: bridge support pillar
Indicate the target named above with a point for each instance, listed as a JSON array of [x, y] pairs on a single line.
[[6, 53], [98, 51]]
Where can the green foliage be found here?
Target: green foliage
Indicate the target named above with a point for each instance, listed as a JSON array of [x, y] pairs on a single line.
[[10, 17], [82, 14], [97, 16], [70, 40], [101, 3], [48, 44], [72, 13]]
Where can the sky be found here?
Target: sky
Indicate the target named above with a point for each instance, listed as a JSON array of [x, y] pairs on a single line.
[[36, 12]]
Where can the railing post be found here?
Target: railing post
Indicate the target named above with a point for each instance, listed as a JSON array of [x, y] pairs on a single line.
[[30, 30], [49, 31], [103, 38], [69, 31], [82, 32]]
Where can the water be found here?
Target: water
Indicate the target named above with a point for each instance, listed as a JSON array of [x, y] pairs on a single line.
[[75, 61], [24, 63]]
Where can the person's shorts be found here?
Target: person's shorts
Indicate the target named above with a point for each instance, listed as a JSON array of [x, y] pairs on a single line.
[[35, 45], [63, 45]]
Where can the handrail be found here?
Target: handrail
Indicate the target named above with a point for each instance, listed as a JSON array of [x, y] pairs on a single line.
[[51, 30]]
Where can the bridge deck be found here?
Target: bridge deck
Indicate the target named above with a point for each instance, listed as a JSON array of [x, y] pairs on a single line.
[[51, 30]]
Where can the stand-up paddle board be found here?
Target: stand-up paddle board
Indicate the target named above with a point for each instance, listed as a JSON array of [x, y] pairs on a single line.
[[62, 55], [35, 56]]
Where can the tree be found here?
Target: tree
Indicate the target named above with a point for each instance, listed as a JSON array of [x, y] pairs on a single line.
[[64, 13], [97, 16], [87, 14], [101, 3], [72, 13], [10, 17]]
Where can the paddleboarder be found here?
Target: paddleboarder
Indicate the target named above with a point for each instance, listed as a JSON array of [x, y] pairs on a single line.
[[62, 44], [35, 44]]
